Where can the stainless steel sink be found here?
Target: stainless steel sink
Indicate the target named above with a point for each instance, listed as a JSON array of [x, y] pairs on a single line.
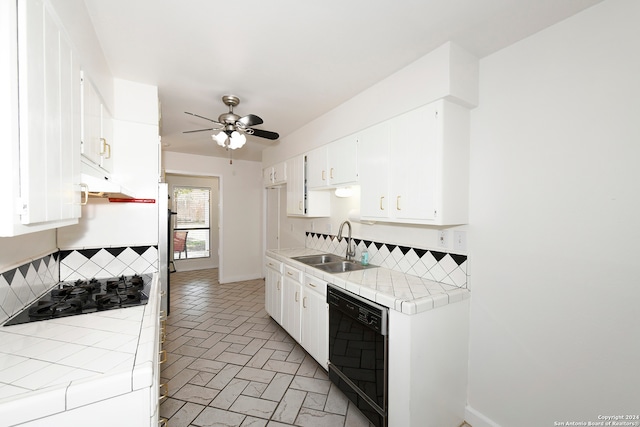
[[318, 259], [342, 266]]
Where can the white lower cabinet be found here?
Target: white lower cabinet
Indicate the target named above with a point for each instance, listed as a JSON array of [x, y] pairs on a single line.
[[292, 302], [315, 319], [273, 289], [297, 301]]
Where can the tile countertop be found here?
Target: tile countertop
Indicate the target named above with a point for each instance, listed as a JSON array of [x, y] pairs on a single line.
[[56, 365], [393, 289]]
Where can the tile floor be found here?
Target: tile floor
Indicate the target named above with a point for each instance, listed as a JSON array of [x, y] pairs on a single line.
[[230, 364]]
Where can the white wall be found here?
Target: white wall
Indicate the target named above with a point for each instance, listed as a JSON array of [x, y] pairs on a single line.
[[555, 203], [241, 219]]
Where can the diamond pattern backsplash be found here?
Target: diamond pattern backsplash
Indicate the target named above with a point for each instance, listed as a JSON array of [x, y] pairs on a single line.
[[433, 265], [20, 286], [103, 263]]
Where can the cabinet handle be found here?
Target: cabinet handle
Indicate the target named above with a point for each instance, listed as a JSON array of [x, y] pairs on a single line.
[[278, 285], [163, 422], [398, 203], [300, 205], [105, 149], [164, 392], [85, 192], [271, 177], [323, 176], [163, 357], [331, 174], [275, 176], [296, 298], [304, 302], [381, 199], [289, 273], [311, 284]]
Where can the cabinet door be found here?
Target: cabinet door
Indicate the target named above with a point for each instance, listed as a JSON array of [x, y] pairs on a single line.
[[374, 171], [343, 161], [91, 122], [48, 177], [295, 186], [291, 306], [280, 173], [106, 139], [315, 320], [414, 161], [273, 294], [317, 175], [70, 97]]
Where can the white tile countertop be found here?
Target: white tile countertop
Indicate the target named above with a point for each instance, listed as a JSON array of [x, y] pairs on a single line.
[[393, 289], [56, 365]]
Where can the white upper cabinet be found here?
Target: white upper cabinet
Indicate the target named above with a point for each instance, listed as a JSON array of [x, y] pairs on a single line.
[[97, 128], [317, 176], [42, 141], [275, 175], [374, 171], [333, 164], [300, 200], [414, 168], [342, 157]]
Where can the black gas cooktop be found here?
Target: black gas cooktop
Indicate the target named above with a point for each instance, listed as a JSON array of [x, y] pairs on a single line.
[[87, 296]]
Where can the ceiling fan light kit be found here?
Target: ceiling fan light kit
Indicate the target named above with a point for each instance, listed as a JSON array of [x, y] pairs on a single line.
[[231, 129]]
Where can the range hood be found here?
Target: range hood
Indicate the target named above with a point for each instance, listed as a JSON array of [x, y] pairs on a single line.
[[100, 183]]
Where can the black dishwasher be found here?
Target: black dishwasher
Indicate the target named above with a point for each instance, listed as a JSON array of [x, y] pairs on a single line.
[[358, 351]]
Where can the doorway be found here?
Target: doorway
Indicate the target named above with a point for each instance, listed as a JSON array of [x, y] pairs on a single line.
[[195, 224]]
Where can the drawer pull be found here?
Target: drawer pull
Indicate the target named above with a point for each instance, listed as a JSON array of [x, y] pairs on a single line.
[[163, 357], [304, 302], [311, 284], [164, 392], [296, 298]]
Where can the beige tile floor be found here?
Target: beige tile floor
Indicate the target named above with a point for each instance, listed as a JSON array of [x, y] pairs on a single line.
[[230, 364]]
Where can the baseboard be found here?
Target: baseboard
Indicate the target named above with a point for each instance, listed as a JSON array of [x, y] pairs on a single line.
[[477, 419]]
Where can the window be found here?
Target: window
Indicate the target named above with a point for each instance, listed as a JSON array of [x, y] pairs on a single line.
[[193, 217]]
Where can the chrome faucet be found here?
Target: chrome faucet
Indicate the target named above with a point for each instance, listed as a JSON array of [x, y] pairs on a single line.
[[350, 252]]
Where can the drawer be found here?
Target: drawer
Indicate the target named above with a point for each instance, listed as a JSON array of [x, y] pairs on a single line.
[[273, 264], [292, 273], [315, 284]]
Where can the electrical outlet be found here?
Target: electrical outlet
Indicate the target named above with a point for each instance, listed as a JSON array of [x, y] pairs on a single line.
[[460, 240], [443, 238]]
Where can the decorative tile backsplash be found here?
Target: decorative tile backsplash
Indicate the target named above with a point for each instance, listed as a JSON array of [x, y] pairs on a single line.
[[21, 286], [433, 265], [103, 263]]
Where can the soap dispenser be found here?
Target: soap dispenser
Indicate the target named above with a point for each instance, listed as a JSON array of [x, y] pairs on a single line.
[[364, 259]]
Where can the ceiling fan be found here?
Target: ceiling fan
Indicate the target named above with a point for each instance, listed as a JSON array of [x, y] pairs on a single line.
[[231, 128]]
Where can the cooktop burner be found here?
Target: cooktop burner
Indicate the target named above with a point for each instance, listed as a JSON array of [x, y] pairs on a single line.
[[87, 296]]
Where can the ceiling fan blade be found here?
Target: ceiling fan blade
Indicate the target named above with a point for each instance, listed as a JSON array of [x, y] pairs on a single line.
[[202, 117], [250, 120], [197, 130], [265, 134]]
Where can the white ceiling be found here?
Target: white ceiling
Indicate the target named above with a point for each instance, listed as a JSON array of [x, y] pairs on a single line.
[[291, 61]]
